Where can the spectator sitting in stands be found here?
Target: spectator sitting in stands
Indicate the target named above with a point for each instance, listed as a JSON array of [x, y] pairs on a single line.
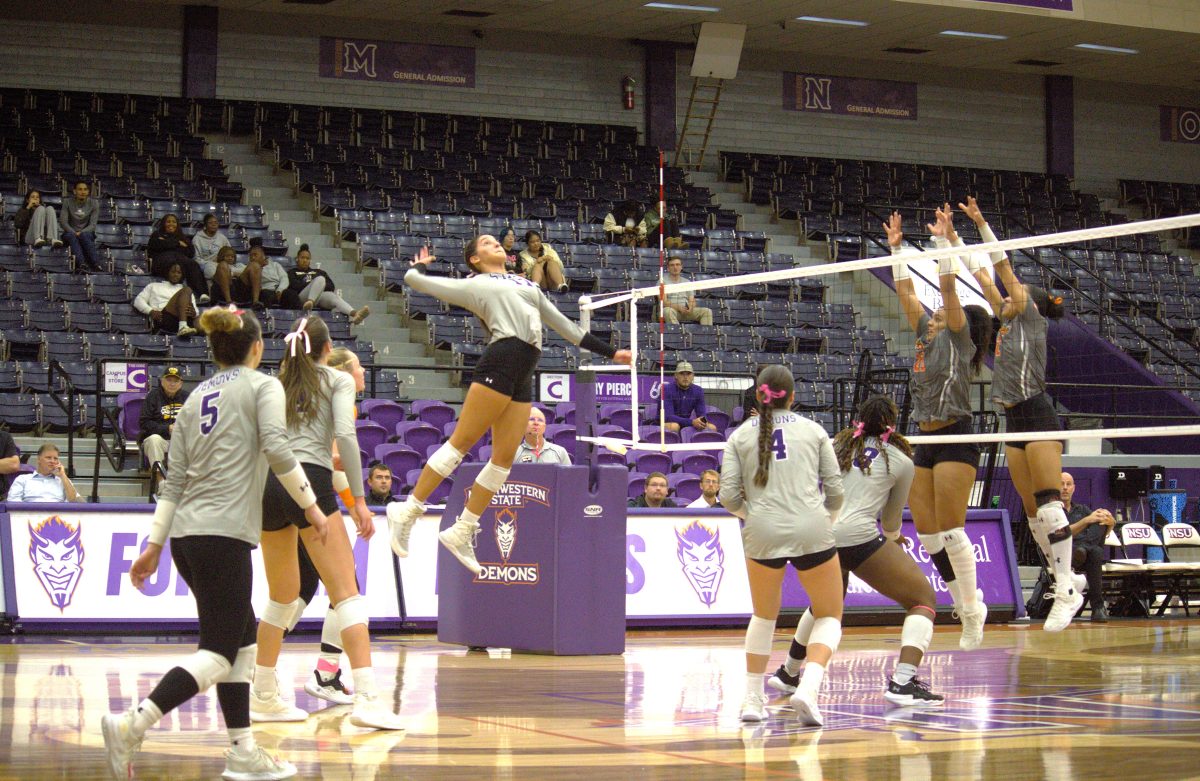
[[542, 264], [681, 307], [672, 239], [626, 225], [379, 484], [159, 410], [225, 270], [710, 486], [264, 283], [36, 222], [508, 240], [683, 401], [10, 460], [169, 304], [169, 244], [312, 286], [534, 448], [1089, 529], [207, 244], [48, 484], [655, 492], [78, 218]]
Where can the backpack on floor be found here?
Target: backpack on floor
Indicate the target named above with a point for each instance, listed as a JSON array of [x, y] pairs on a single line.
[[1042, 598]]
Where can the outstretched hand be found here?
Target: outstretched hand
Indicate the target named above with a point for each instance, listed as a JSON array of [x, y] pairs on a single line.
[[423, 257], [624, 357], [971, 209], [895, 234], [943, 224]]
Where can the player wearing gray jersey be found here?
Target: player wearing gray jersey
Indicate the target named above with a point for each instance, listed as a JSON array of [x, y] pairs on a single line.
[[877, 471], [950, 347], [780, 475], [1019, 387], [320, 413], [209, 507], [513, 310]]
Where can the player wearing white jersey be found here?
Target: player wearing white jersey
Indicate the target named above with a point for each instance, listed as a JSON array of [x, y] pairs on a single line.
[[210, 508], [877, 471], [780, 475], [513, 310], [950, 347]]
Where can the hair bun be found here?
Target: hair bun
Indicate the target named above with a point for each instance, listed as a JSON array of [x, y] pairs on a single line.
[[220, 320], [303, 248]]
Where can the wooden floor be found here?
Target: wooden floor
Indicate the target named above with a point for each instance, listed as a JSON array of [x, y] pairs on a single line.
[[1120, 701]]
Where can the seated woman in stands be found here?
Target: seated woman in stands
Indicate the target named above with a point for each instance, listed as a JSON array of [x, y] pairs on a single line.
[[169, 304], [315, 288], [542, 264], [512, 262], [36, 222], [168, 244]]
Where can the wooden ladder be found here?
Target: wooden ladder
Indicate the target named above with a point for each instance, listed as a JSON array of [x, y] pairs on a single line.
[[698, 122]]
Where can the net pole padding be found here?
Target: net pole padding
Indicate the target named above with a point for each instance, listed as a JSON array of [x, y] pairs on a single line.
[[884, 261], [586, 413], [633, 369], [941, 439], [662, 301]]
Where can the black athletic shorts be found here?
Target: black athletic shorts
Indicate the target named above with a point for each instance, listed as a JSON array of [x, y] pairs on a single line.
[[507, 367], [279, 508], [852, 557], [1034, 414], [928, 456], [800, 563]]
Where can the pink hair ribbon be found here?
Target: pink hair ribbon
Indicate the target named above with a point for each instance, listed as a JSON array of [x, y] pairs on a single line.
[[769, 394]]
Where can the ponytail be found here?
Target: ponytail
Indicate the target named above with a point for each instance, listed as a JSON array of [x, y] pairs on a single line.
[[301, 378], [231, 333], [980, 322], [774, 388]]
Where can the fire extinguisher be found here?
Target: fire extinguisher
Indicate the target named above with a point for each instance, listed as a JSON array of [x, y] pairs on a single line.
[[627, 85]]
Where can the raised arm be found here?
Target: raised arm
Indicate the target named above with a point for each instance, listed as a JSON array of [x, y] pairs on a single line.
[[942, 230], [904, 286], [571, 331], [982, 267]]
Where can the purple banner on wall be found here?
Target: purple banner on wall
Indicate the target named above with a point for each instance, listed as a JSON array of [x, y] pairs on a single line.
[[1053, 5], [822, 94], [392, 61], [1180, 125]]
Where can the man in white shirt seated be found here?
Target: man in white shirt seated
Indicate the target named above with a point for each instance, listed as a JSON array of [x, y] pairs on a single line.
[[710, 486], [534, 448], [48, 484]]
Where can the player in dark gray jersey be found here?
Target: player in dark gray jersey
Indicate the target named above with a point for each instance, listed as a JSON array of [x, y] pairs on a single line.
[[513, 310], [1019, 387], [320, 407], [950, 347], [877, 471], [769, 478], [209, 507]]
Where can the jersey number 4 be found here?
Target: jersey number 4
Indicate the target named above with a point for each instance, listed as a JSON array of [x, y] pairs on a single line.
[[209, 411], [777, 445]]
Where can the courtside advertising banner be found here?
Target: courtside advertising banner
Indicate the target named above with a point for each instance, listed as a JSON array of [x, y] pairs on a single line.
[[72, 566]]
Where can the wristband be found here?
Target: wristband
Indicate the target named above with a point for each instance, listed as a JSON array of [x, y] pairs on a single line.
[[593, 344], [947, 265], [891, 534], [160, 526], [899, 270], [298, 487]]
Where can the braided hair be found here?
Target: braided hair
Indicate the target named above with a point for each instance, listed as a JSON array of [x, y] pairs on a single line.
[[876, 418], [773, 388]]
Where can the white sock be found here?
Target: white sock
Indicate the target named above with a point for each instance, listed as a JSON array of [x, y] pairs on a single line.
[[468, 518], [810, 679], [1039, 536], [364, 680], [414, 503], [264, 680], [754, 683], [962, 558], [933, 545], [904, 673], [1060, 552], [242, 740], [145, 716]]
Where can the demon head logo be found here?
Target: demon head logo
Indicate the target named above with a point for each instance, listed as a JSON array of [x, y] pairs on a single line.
[[57, 556], [702, 558], [506, 532]]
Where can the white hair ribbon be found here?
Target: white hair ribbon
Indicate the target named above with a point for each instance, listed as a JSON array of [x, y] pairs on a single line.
[[293, 339]]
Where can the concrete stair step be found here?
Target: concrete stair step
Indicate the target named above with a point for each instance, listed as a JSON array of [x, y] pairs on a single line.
[[449, 395]]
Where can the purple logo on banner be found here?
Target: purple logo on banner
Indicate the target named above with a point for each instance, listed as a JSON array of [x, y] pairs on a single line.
[[1053, 5], [844, 95], [57, 555], [702, 558], [1179, 125], [391, 61]]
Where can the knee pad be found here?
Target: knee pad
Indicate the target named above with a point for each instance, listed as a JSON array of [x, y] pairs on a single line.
[[351, 612], [759, 635], [826, 631], [243, 665], [445, 459], [280, 613], [296, 614], [804, 628], [1054, 522], [492, 477], [331, 630], [956, 541], [933, 542], [917, 632], [207, 668]]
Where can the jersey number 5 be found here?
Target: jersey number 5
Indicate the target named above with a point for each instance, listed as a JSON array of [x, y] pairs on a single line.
[[777, 445], [209, 411]]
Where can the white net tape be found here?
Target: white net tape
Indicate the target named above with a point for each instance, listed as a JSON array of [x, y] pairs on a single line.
[[587, 304]]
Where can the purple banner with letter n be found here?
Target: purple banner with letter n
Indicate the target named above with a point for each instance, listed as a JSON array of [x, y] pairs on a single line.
[[392, 61], [844, 95], [1053, 5], [1180, 125]]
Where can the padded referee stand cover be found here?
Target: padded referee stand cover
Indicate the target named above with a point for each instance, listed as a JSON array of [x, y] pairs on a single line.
[[553, 552]]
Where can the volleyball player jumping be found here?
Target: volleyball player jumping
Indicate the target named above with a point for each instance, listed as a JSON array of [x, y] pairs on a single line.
[[513, 310]]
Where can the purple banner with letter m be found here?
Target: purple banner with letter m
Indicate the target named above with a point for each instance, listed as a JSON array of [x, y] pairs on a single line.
[[1180, 125], [392, 61], [1053, 5], [844, 95]]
